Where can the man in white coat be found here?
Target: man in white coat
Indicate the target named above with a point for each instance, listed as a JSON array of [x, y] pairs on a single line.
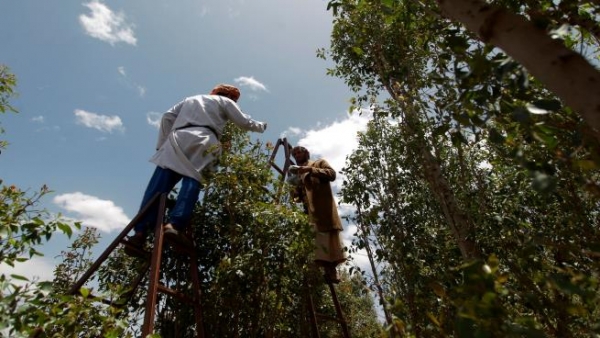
[[188, 144]]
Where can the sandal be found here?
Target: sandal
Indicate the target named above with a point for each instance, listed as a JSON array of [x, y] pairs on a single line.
[[134, 245], [175, 236]]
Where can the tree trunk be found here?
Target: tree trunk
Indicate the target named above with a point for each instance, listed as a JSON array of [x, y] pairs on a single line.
[[365, 233], [457, 220], [566, 73]]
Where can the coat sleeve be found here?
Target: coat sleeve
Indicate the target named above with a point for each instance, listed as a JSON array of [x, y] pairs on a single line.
[[166, 123], [322, 170], [235, 115]]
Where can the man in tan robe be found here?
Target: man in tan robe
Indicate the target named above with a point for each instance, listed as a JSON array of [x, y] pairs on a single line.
[[314, 190]]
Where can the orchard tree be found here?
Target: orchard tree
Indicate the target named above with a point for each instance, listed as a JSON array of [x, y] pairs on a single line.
[[472, 181], [254, 250]]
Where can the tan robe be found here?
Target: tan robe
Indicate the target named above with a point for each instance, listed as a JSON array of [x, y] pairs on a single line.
[[317, 196]]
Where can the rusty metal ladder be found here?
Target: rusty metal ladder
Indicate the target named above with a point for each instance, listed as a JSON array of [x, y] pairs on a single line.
[[313, 316], [153, 266]]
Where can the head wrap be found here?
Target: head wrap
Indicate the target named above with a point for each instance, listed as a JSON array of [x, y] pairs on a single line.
[[302, 149], [227, 91]]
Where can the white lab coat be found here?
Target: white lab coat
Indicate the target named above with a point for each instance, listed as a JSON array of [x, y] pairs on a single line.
[[185, 145]]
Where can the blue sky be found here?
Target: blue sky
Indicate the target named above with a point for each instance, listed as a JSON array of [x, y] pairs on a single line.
[[95, 76]]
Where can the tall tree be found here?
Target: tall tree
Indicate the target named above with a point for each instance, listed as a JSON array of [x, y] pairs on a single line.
[[254, 259], [519, 166], [31, 308]]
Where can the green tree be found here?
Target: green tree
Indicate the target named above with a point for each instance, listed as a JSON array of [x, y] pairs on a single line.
[[254, 250], [466, 145], [32, 308]]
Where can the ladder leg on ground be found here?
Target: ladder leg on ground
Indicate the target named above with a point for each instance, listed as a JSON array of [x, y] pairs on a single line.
[[119, 240], [153, 267], [314, 317], [155, 286], [338, 310]]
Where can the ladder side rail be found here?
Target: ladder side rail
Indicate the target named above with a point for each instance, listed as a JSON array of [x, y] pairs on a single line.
[[272, 158], [75, 288], [197, 297], [137, 281], [338, 309], [152, 296], [287, 149], [329, 318], [311, 312]]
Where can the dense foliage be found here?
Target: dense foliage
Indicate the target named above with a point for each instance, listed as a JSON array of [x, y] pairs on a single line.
[[33, 308], [254, 252], [254, 249], [474, 185]]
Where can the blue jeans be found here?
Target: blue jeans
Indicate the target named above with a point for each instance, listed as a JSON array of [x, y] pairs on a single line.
[[162, 181]]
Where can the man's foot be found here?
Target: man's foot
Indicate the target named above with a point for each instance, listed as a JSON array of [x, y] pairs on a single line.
[[331, 275], [175, 236], [135, 245], [170, 230]]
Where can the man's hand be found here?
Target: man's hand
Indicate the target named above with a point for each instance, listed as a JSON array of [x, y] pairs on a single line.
[[304, 169]]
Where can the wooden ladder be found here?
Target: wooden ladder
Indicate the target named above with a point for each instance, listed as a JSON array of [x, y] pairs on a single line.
[[153, 265], [315, 317]]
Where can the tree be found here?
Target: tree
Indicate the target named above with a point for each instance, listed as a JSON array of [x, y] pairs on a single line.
[[254, 250], [519, 167], [25, 310]]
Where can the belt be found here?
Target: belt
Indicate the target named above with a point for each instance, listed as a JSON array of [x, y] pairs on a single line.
[[213, 130]]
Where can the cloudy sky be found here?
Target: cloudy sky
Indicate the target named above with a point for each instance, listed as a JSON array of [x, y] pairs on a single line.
[[94, 78]]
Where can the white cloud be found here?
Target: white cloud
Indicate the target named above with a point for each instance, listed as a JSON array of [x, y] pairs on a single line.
[[130, 83], [42, 120], [204, 11], [251, 83], [103, 123], [141, 90], [335, 141], [36, 268], [92, 211], [153, 119], [38, 119], [106, 25], [291, 131]]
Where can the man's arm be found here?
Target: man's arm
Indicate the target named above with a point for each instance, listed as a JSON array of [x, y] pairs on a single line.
[[166, 123], [235, 114], [322, 170]]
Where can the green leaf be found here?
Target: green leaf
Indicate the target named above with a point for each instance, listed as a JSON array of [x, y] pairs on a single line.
[[19, 277], [85, 292], [536, 110], [65, 228]]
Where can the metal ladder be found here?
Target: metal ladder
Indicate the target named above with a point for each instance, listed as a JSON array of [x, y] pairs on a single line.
[[153, 266], [313, 316]]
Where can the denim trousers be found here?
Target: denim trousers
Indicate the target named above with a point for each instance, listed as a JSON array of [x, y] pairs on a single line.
[[163, 180]]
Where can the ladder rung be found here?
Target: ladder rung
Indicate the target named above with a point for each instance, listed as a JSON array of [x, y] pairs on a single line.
[[141, 253], [326, 317], [176, 294], [113, 302], [181, 245], [276, 167]]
